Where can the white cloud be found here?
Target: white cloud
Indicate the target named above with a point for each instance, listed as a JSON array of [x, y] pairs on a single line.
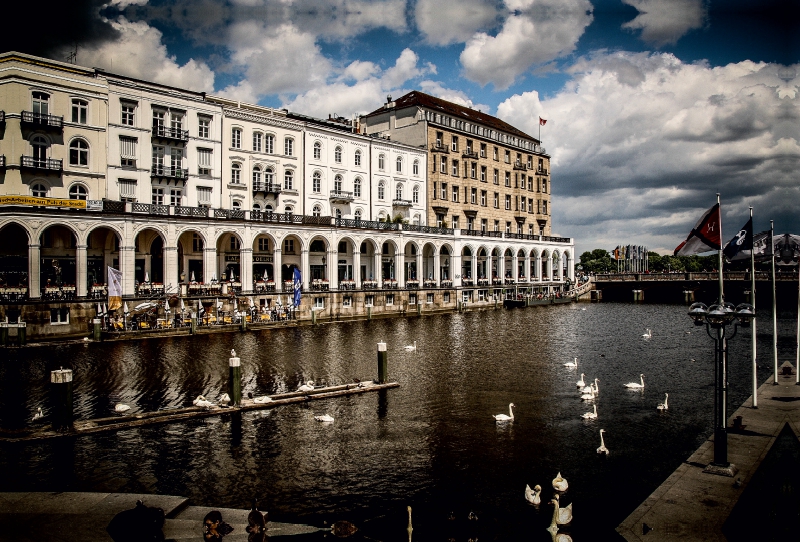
[[533, 33], [140, 53], [443, 22], [637, 138], [664, 22], [122, 4], [435, 88]]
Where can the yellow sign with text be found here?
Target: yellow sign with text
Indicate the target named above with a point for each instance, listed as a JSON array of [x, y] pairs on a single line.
[[43, 202]]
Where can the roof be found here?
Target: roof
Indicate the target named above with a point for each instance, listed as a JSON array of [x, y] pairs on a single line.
[[420, 99]]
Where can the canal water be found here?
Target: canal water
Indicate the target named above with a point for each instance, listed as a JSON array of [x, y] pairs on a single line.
[[431, 443]]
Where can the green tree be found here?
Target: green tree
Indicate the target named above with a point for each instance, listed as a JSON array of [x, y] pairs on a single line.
[[597, 261]]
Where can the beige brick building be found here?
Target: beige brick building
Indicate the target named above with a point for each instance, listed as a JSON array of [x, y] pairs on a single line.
[[483, 174]]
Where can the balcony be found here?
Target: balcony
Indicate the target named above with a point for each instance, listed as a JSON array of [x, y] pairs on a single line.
[[267, 188], [42, 121], [469, 153], [338, 196], [401, 203], [41, 164], [169, 172], [438, 147], [174, 135], [519, 166]]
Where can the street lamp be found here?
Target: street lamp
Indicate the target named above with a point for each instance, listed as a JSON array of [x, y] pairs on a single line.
[[718, 317]]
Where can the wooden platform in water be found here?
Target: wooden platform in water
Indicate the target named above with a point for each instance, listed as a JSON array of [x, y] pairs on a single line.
[[139, 419]]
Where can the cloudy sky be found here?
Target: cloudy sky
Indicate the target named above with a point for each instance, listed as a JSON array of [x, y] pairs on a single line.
[[652, 106]]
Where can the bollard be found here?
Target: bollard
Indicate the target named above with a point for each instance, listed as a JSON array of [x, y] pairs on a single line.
[[235, 379], [313, 317], [22, 333], [369, 313], [688, 296], [419, 308], [193, 324], [61, 384], [3, 333], [638, 295], [96, 329], [382, 363], [243, 323]]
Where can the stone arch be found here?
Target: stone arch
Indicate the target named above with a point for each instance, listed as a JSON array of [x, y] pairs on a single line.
[[102, 251], [15, 239], [292, 247], [191, 244], [58, 243], [149, 263]]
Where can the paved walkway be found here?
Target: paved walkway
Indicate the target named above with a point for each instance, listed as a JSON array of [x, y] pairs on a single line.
[[693, 505], [83, 517]]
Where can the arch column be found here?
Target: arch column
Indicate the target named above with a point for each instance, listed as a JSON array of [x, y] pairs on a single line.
[[501, 267], [538, 268], [357, 266], [400, 268], [474, 267], [377, 273], [171, 265], [437, 275], [246, 268], [526, 265], [455, 265], [34, 264], [127, 266], [515, 267], [209, 263], [305, 269], [332, 270], [571, 269], [420, 271], [81, 270], [277, 264]]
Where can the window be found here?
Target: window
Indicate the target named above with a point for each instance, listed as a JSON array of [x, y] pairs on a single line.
[[203, 196], [39, 145], [530, 184], [455, 193], [203, 127], [541, 164], [337, 155], [176, 121], [473, 173], [455, 168], [381, 190], [80, 111], [496, 225], [415, 195], [317, 211], [399, 165], [269, 177], [319, 303], [41, 103], [530, 162], [446, 297], [429, 298], [398, 192], [236, 173], [508, 202], [158, 159], [412, 299], [369, 300], [494, 153], [483, 224], [444, 191], [59, 316], [128, 112], [204, 161], [79, 153], [339, 214], [454, 144], [263, 244], [358, 214], [269, 143], [38, 190], [389, 300], [317, 150], [157, 196], [158, 118], [357, 158], [439, 137], [415, 168], [530, 205], [469, 146], [288, 146], [483, 198], [455, 222], [496, 177], [176, 158], [236, 138], [508, 178], [337, 184], [256, 177], [288, 246], [496, 200], [381, 160], [288, 180], [357, 188], [544, 186], [257, 139], [473, 197], [127, 151], [507, 157], [316, 182], [483, 150], [78, 191], [443, 165], [175, 196], [544, 207], [347, 301], [234, 242]]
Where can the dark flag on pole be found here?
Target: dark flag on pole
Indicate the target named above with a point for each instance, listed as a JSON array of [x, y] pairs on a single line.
[[705, 235], [740, 246]]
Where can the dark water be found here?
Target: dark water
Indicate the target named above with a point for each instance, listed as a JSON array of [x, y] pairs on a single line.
[[431, 444]]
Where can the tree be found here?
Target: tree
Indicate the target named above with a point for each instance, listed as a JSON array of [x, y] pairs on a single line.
[[597, 261]]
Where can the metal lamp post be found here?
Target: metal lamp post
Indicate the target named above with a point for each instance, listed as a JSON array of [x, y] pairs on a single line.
[[718, 317]]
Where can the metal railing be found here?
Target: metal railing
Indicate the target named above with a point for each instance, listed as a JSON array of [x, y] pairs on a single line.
[[111, 206], [48, 164], [181, 210], [481, 233], [341, 196], [167, 132], [170, 172], [402, 203], [269, 188], [439, 148], [235, 214], [42, 119], [470, 154], [149, 208]]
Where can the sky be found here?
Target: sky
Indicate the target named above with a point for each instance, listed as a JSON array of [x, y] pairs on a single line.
[[652, 106]]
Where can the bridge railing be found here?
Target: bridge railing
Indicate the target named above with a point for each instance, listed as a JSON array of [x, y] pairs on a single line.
[[660, 277]]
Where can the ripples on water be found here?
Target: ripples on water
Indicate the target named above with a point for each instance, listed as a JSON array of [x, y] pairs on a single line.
[[432, 443]]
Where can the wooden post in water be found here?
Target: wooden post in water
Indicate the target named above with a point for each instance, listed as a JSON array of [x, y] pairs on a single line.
[[61, 384], [382, 363], [235, 379], [22, 332], [369, 313], [313, 317], [96, 329], [193, 323]]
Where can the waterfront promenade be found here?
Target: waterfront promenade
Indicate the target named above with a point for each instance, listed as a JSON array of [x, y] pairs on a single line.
[[693, 505]]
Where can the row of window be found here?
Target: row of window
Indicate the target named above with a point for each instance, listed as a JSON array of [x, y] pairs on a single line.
[[453, 195], [479, 130], [471, 171], [262, 142], [454, 223], [76, 191], [337, 158]]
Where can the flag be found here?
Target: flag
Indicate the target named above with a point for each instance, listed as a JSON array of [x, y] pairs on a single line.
[[705, 235], [114, 288], [741, 245], [296, 285], [542, 121]]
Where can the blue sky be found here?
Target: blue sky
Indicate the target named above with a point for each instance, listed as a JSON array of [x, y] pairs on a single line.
[[653, 106]]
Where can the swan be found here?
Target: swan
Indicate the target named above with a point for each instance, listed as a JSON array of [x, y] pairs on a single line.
[[564, 514], [39, 414], [590, 415], [559, 483], [588, 389], [572, 364], [261, 400], [308, 386], [647, 334], [411, 348], [201, 401], [580, 383], [664, 405], [225, 398], [596, 386], [553, 527], [119, 407], [532, 495], [256, 521], [500, 418], [636, 385], [326, 418], [602, 449]]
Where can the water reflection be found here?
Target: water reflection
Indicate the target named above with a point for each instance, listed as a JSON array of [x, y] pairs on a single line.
[[431, 443]]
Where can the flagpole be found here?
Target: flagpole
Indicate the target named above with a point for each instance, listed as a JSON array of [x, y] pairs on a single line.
[[753, 302], [797, 344], [774, 303], [721, 293]]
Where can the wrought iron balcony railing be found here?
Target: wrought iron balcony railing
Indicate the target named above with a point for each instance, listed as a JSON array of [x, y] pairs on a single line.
[[45, 164], [339, 195], [167, 132], [169, 172], [43, 120]]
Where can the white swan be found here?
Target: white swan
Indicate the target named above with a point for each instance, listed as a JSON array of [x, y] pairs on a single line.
[[411, 348], [602, 449], [590, 415], [308, 386], [532, 495], [324, 418], [119, 407], [553, 527], [559, 483], [572, 364], [588, 389], [225, 398], [262, 399], [664, 405], [500, 418], [647, 334], [39, 414], [201, 401], [587, 397], [580, 383], [596, 386], [564, 514], [636, 385]]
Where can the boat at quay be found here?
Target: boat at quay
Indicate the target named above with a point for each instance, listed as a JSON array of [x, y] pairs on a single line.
[[430, 443]]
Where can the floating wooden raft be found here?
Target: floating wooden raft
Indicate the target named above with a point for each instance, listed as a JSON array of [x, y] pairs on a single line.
[[116, 423]]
